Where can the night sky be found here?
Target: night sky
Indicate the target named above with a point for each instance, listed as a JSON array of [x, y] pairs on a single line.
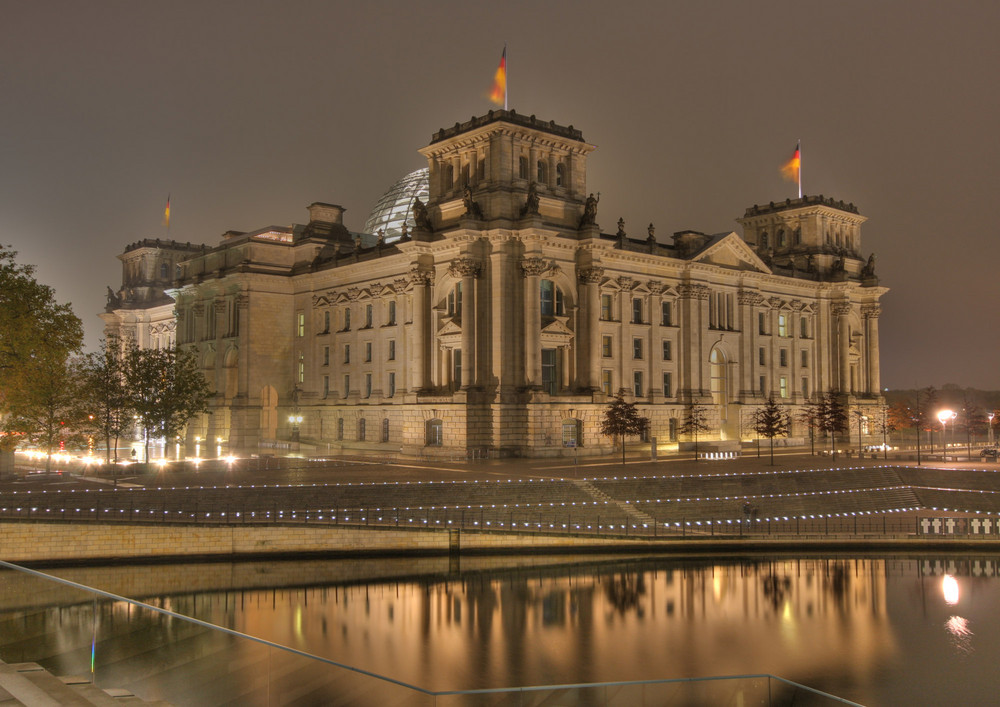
[[246, 112]]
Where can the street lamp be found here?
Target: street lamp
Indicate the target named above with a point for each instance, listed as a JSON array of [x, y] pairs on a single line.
[[944, 416], [989, 427], [295, 421]]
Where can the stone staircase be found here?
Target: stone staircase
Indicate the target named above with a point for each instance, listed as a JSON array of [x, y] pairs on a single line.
[[31, 684], [641, 518]]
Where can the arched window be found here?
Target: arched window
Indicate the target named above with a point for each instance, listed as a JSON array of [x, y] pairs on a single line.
[[717, 375], [164, 269], [542, 177], [560, 175], [434, 433], [763, 240], [781, 238]]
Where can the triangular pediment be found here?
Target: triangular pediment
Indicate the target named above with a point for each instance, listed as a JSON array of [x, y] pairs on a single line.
[[450, 326], [730, 251], [556, 326]]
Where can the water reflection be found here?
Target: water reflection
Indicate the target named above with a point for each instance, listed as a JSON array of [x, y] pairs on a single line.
[[868, 629]]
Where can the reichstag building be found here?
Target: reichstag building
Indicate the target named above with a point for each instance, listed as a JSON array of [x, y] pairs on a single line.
[[484, 311]]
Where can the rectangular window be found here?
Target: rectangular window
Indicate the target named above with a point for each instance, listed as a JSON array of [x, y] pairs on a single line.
[[763, 385], [368, 352], [783, 387], [668, 385], [302, 369], [636, 310], [783, 357], [672, 429], [457, 366], [667, 350], [606, 346], [326, 322], [326, 355], [761, 328], [392, 384], [606, 381], [549, 379], [347, 319], [392, 349], [782, 325], [300, 328], [805, 387], [326, 386], [347, 353], [392, 313], [547, 295], [368, 316], [637, 348], [368, 385], [606, 303], [803, 328], [637, 383], [761, 357], [805, 358], [347, 385], [666, 314]]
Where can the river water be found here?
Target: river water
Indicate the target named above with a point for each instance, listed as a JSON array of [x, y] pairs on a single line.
[[877, 630]]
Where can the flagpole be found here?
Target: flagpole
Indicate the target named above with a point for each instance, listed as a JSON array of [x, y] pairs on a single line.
[[800, 169], [506, 75]]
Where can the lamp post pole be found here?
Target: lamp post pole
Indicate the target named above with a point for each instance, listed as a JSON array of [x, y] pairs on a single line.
[[989, 427]]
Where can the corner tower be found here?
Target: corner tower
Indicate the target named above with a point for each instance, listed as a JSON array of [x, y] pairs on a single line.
[[487, 168]]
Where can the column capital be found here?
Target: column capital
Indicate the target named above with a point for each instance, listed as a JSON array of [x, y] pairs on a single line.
[[534, 266], [871, 311], [590, 276], [466, 267], [688, 291], [841, 309], [420, 277]]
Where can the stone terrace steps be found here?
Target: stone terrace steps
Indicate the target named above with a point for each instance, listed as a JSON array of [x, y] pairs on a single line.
[[30, 684]]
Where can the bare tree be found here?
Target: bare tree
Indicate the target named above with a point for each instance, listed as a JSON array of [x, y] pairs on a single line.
[[695, 422], [621, 419], [771, 421]]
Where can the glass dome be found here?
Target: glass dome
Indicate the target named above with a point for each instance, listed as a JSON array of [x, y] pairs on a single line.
[[396, 205]]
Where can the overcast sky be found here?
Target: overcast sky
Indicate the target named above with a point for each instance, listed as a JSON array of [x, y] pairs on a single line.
[[246, 112]]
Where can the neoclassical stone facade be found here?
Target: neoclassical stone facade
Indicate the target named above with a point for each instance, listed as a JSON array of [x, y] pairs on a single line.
[[504, 321]]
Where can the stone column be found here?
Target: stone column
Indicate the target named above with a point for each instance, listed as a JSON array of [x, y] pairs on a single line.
[[469, 269], [871, 313], [748, 302], [692, 365], [589, 345], [842, 310], [532, 268], [419, 352]]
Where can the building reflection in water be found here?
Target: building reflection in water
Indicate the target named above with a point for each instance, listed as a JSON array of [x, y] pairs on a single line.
[[878, 631]]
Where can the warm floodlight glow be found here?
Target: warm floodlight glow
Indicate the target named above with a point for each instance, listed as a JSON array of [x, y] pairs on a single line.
[[949, 588], [945, 415]]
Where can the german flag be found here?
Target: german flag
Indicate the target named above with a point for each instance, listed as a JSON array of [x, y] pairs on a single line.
[[791, 169], [498, 95], [166, 213]]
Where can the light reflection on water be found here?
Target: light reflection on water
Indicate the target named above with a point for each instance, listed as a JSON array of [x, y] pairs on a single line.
[[874, 630]]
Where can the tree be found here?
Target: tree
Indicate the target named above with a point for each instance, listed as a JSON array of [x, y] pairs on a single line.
[[695, 421], [771, 421], [104, 395], [810, 417], [831, 418], [621, 419], [32, 324], [37, 337], [886, 424], [970, 418], [165, 388], [42, 405]]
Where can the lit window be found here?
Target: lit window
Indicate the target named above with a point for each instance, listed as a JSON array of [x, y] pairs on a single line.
[[783, 387], [302, 369], [301, 325], [782, 325], [606, 346], [606, 381], [606, 307]]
